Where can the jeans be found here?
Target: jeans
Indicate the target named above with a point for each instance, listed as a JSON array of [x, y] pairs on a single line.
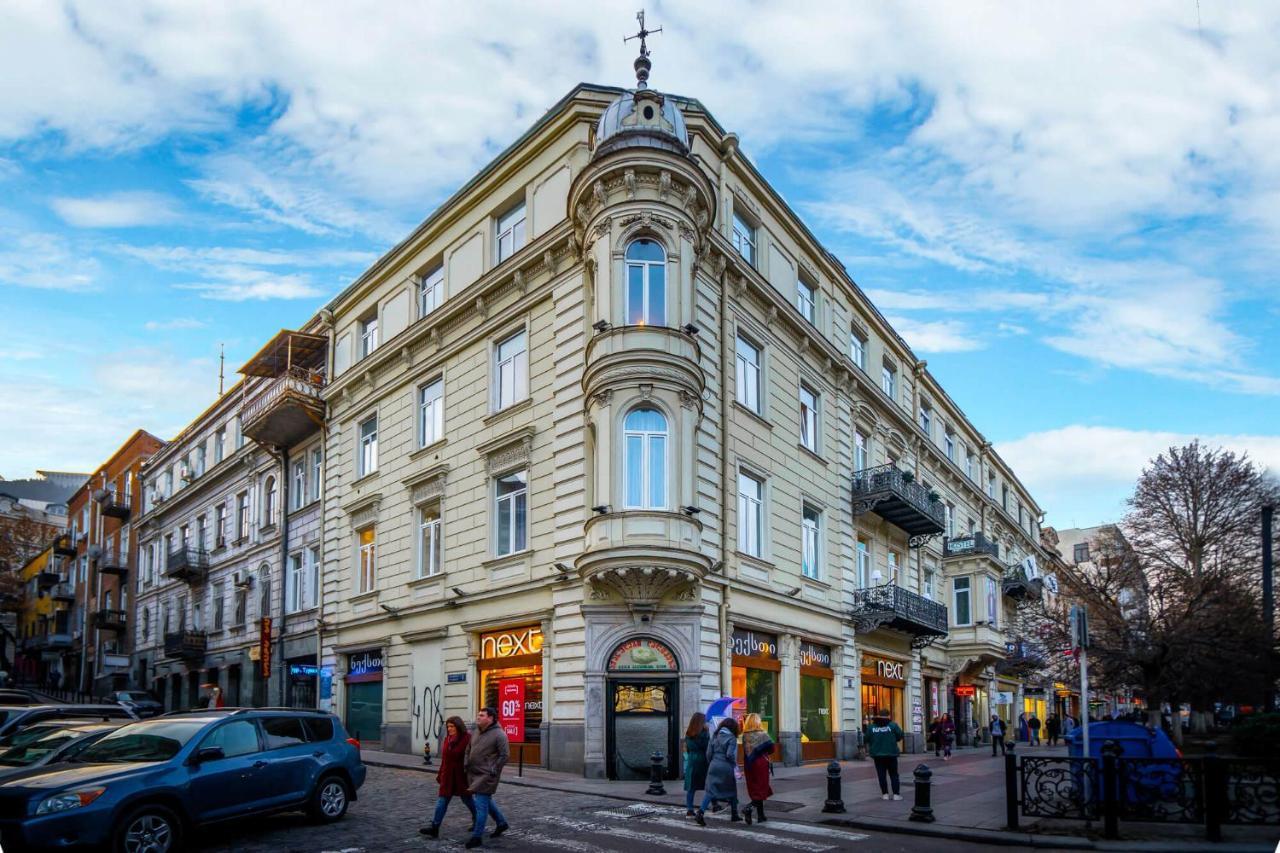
[[997, 740], [442, 805], [707, 801], [688, 799], [484, 807], [1035, 737], [887, 765]]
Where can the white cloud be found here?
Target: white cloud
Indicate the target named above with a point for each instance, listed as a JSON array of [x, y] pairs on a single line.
[[175, 323], [116, 210], [1081, 475], [44, 262], [242, 285], [938, 336]]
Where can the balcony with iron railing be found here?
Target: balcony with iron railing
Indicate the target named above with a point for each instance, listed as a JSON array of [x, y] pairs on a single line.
[[892, 607], [188, 564], [895, 496], [64, 546], [975, 544], [111, 505], [284, 406], [110, 620], [1018, 586], [64, 592], [113, 563], [187, 645], [47, 580]]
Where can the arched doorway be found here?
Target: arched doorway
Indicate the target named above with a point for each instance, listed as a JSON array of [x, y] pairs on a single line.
[[643, 711]]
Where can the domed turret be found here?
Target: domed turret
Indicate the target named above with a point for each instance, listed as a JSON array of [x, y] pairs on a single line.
[[642, 117]]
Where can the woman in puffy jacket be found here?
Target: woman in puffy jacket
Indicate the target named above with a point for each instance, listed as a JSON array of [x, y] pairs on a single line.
[[452, 779], [722, 758], [757, 746]]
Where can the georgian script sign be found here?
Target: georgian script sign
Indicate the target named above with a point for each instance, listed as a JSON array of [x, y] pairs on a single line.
[[749, 644], [509, 644], [812, 654], [642, 655], [264, 646], [966, 690], [365, 666]]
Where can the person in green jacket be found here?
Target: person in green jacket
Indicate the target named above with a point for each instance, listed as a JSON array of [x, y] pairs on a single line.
[[883, 737]]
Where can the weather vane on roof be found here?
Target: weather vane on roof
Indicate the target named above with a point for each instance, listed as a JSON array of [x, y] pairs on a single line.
[[642, 62]]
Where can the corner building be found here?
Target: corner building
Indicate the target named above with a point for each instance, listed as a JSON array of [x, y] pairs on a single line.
[[596, 430]]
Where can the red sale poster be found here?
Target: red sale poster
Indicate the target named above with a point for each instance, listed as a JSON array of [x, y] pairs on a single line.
[[511, 708]]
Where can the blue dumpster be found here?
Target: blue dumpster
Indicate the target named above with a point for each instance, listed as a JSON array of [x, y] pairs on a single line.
[[1142, 782]]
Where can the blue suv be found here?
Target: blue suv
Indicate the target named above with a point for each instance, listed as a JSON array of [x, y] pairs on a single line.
[[143, 787]]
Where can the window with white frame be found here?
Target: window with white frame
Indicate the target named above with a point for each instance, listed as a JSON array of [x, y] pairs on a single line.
[[810, 530], [240, 598], [968, 462], [369, 334], [295, 583], [748, 375], [949, 444], [368, 560], [991, 486], [863, 550], [993, 603], [367, 456], [646, 284], [431, 413], [644, 440], [809, 418], [298, 497], [859, 451], [511, 370], [430, 541], [239, 433], [269, 502], [317, 473], [858, 349], [750, 515], [219, 605], [219, 444], [202, 532], [431, 291], [511, 511], [926, 418], [949, 519], [510, 232], [892, 564], [930, 576], [313, 575], [807, 300], [963, 600], [744, 238], [889, 380], [242, 515], [200, 459], [220, 525]]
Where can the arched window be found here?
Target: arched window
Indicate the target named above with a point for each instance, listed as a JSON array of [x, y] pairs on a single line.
[[646, 284], [645, 443]]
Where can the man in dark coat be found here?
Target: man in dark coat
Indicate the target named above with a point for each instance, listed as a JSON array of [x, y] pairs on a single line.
[[487, 754]]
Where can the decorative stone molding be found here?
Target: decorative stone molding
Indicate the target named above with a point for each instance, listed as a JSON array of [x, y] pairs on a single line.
[[363, 511], [549, 261], [664, 184], [406, 357], [601, 195], [508, 452], [641, 587], [481, 308], [427, 485], [629, 180]]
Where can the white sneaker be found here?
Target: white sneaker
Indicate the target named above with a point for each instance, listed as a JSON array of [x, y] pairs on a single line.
[[897, 796], [884, 796]]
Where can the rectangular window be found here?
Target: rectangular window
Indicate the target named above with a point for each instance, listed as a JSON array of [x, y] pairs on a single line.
[[949, 444], [295, 583], [369, 334], [993, 603], [744, 238], [929, 575], [512, 371], [510, 232], [807, 300], [431, 291], [968, 463], [864, 563], [242, 515], [858, 349], [991, 486], [430, 542], [1004, 497], [511, 509], [200, 460], [949, 519], [889, 381], [926, 419], [810, 530], [368, 560], [963, 611], [750, 515], [219, 605], [431, 413], [317, 473], [202, 532], [859, 451], [368, 454], [219, 525], [219, 444], [809, 418], [1081, 552], [748, 375], [239, 434], [313, 576], [242, 604], [299, 497], [892, 565]]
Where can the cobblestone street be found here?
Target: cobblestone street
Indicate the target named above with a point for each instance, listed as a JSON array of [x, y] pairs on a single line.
[[394, 803]]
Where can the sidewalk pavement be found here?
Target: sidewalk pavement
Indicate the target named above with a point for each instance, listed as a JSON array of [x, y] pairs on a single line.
[[968, 800]]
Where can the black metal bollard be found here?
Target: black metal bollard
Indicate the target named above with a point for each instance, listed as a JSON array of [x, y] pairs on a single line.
[[655, 775], [1214, 780], [922, 811], [835, 799], [1110, 798], [1011, 804]]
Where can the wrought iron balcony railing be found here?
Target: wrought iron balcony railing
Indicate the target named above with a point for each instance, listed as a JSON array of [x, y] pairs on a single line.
[[110, 620], [895, 496], [47, 580], [187, 564], [1019, 587], [286, 408], [111, 505], [189, 645], [968, 546], [64, 546], [891, 606]]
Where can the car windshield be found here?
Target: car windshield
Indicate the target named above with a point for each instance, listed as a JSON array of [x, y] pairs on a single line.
[[150, 741], [28, 735], [33, 750], [134, 696]]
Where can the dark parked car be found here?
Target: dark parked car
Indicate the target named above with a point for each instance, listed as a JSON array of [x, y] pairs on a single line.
[[21, 696], [140, 702], [15, 717], [47, 742], [143, 786]]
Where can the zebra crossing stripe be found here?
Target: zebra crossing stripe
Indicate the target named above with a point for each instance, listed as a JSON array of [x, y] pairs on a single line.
[[722, 826], [570, 844], [630, 834]]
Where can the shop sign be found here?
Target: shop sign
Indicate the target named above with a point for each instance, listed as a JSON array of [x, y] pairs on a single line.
[[304, 671], [1004, 697], [889, 670], [1033, 691], [326, 683], [749, 644], [812, 654], [966, 691], [917, 716], [365, 666], [512, 643], [511, 708], [642, 654], [456, 678], [264, 647]]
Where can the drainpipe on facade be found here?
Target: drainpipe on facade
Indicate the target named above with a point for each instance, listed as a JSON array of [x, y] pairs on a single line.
[[726, 674], [284, 572]]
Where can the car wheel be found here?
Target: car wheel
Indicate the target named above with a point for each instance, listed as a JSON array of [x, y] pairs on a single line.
[[150, 829], [330, 800]]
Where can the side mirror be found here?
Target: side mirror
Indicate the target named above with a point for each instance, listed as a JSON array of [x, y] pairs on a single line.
[[209, 753]]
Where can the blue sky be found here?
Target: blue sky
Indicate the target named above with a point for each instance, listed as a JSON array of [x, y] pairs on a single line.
[[1073, 214]]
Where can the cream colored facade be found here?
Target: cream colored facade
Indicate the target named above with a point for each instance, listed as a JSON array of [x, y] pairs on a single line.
[[680, 565]]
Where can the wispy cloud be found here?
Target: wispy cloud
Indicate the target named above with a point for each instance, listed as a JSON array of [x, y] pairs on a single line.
[[45, 262], [174, 324], [936, 336], [240, 284], [117, 210]]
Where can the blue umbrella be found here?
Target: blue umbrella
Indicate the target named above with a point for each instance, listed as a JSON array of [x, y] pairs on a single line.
[[722, 707]]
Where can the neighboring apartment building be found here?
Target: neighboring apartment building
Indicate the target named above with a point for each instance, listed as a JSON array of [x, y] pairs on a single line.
[[102, 533], [230, 538], [44, 621], [611, 436]]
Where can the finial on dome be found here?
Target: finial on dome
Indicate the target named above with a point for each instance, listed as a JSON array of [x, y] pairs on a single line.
[[642, 63]]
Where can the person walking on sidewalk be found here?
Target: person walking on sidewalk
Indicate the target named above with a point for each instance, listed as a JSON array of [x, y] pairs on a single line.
[[757, 746], [451, 775], [883, 737], [696, 741], [948, 736], [486, 755], [997, 735], [1053, 728], [722, 758], [1033, 726], [936, 736]]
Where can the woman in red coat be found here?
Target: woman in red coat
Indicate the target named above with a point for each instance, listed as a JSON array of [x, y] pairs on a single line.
[[452, 778], [757, 746]]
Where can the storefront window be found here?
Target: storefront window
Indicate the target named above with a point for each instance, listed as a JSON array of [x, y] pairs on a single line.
[[816, 678], [755, 675], [511, 681], [883, 689]]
